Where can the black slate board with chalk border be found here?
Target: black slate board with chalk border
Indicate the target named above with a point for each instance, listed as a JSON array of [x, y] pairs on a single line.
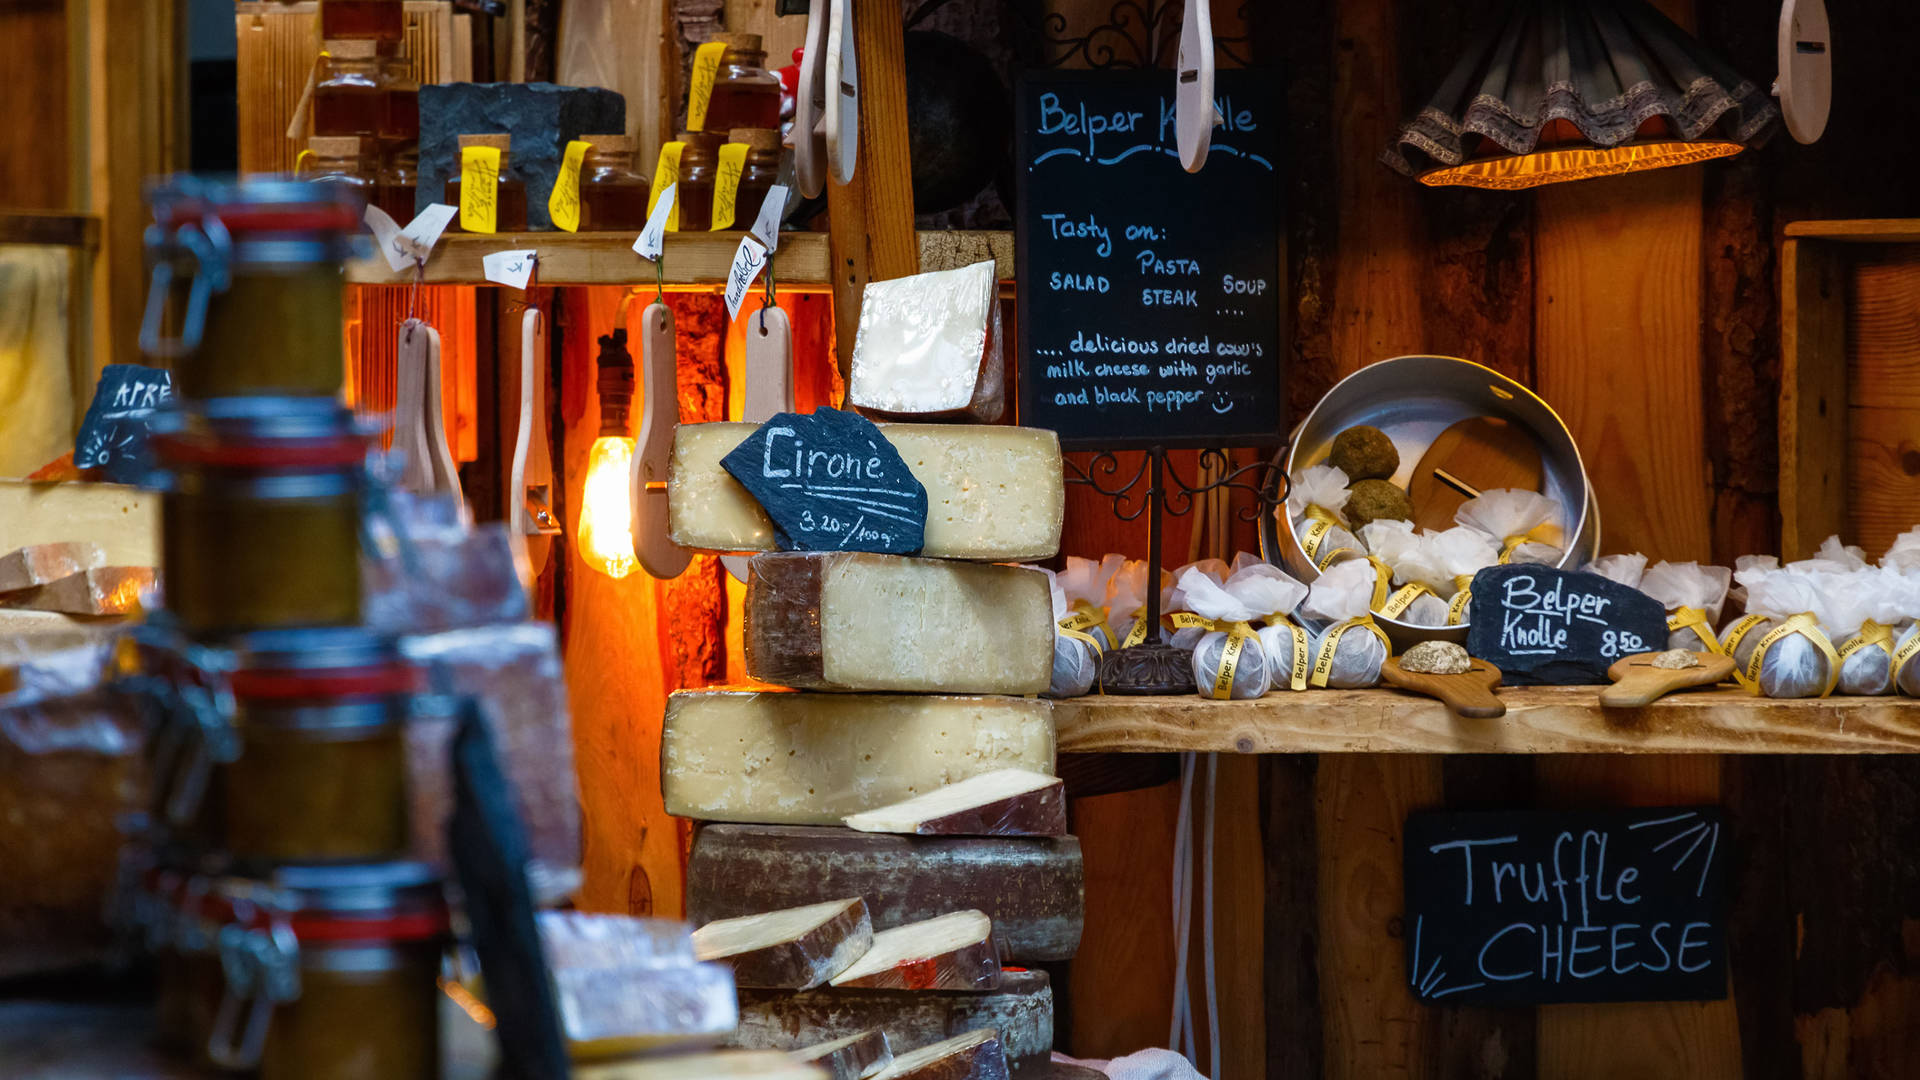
[[831, 482], [113, 433], [1544, 626], [1542, 907], [1151, 298]]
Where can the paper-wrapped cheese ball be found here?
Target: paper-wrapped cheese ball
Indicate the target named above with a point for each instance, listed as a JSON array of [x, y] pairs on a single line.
[[1852, 604], [1795, 664], [1364, 453], [1316, 500], [1693, 595], [1348, 648], [1625, 569], [1526, 525], [1076, 660], [1226, 663], [1377, 500]]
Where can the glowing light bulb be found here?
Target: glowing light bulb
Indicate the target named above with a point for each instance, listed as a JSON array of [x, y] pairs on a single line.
[[605, 535]]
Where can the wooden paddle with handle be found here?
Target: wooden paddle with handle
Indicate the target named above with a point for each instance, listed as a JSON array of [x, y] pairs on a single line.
[[1468, 694], [1637, 682]]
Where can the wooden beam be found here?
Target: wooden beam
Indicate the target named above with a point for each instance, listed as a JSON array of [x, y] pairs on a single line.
[[603, 259], [1813, 396]]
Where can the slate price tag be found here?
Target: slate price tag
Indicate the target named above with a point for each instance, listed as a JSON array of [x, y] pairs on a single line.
[[831, 482], [1539, 907], [1541, 625], [113, 433]]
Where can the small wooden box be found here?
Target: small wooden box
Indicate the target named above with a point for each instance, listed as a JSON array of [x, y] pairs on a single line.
[[1849, 383]]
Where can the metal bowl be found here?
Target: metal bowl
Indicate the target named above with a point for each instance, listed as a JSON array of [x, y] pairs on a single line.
[[1413, 399]]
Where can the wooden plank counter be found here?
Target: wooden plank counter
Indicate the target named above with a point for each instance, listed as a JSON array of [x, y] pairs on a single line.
[[1539, 720]]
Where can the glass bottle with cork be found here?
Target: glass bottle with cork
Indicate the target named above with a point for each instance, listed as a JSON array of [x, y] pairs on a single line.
[[758, 174], [393, 187], [510, 199], [363, 20], [745, 93], [699, 166], [351, 96], [401, 121], [613, 197], [337, 159]]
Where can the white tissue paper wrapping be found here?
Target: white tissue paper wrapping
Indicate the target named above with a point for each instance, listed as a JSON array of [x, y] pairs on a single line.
[[1273, 593], [1075, 663], [1186, 637], [1212, 601], [1448, 561], [1508, 514], [1326, 487], [1904, 553], [1625, 569], [1680, 586], [1342, 593], [1397, 545], [1794, 666], [1085, 582], [1738, 592], [1851, 606], [1833, 555], [1127, 598]]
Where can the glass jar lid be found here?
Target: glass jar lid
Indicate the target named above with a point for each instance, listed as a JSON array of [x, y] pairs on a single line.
[[308, 663], [260, 433]]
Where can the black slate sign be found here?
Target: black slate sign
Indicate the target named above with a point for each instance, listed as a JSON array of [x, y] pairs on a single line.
[[1151, 298], [1540, 907], [831, 482], [113, 433], [1540, 625]]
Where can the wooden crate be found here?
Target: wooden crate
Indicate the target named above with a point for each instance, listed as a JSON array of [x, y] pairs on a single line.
[[1849, 383]]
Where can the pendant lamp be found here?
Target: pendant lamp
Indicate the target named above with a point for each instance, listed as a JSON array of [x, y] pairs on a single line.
[[1575, 89]]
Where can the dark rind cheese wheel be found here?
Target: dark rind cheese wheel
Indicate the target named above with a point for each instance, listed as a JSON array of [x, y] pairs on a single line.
[[975, 1055], [852, 1057], [794, 948], [1004, 802]]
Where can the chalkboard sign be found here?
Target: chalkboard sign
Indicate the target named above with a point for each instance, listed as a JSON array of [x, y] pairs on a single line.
[[113, 433], [1150, 297], [831, 482], [1538, 907], [1540, 625]]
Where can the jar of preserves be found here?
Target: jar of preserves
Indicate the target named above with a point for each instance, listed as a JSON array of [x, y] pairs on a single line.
[[401, 122], [261, 519], [332, 973], [337, 159], [393, 187], [350, 93], [758, 174], [745, 94], [321, 774], [510, 199], [367, 20], [699, 167], [258, 263], [613, 197]]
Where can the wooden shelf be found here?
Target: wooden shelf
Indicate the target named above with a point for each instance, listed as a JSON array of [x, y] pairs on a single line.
[[699, 259], [1861, 230], [1539, 720]]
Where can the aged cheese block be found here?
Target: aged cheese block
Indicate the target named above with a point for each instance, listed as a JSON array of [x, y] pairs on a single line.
[[1007, 802], [1030, 888], [1021, 1010], [975, 1055], [812, 759], [928, 347], [853, 1057], [124, 522], [857, 621], [952, 952], [795, 948], [717, 1065], [41, 564], [102, 590], [993, 493]]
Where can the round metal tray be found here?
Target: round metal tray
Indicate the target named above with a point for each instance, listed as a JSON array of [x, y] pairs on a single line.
[[1413, 399]]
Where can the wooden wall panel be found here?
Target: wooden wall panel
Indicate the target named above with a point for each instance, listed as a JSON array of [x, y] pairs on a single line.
[[37, 152]]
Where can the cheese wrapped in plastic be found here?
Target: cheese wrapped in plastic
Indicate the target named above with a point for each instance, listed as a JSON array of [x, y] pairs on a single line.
[[1625, 569], [623, 985], [1316, 495], [1186, 637], [1348, 648], [1526, 525], [1903, 605], [1076, 653], [1447, 562], [1693, 596], [1270, 590], [928, 347], [1779, 648], [1850, 614], [1228, 661]]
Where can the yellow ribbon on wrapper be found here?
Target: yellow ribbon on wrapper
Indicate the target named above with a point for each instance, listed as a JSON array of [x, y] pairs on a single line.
[[1732, 645], [1903, 657], [1302, 663], [1086, 616], [1237, 634], [1807, 626], [1315, 538], [1330, 643], [1871, 635], [1382, 583], [1081, 635], [1403, 598], [1137, 633], [1696, 619], [1463, 593]]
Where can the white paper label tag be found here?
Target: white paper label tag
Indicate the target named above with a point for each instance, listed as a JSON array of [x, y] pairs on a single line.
[[423, 232], [654, 236], [386, 237], [509, 268], [748, 261], [772, 208]]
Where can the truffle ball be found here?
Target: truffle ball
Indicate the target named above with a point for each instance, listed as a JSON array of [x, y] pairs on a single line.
[[1436, 658], [1377, 500], [1364, 453]]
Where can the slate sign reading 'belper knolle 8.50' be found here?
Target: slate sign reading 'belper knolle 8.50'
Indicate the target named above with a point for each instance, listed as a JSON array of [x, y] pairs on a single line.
[[831, 482], [1538, 624], [1536, 907], [1150, 297]]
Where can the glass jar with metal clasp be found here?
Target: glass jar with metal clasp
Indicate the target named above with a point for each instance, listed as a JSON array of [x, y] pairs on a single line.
[[332, 973]]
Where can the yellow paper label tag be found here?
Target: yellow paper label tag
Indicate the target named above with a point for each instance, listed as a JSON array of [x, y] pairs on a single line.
[[666, 171], [706, 64], [479, 188], [726, 185], [564, 203], [1732, 644], [1137, 633], [1187, 620], [1403, 598], [1457, 610], [1297, 678], [1237, 636], [1081, 635]]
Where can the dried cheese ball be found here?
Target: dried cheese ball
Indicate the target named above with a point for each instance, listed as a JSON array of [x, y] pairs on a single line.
[[1377, 500], [1364, 453]]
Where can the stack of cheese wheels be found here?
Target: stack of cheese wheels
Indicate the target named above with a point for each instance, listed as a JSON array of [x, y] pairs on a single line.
[[913, 768]]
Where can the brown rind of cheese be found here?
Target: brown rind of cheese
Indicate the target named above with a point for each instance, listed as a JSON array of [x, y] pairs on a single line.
[[102, 590], [955, 951], [1040, 812], [1031, 887], [1021, 1010], [802, 962], [975, 1055], [852, 1057]]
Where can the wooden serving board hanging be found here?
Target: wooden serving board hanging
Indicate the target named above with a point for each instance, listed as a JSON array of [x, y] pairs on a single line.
[[768, 371], [659, 415]]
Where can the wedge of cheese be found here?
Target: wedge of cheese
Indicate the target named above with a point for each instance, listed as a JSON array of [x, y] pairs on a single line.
[[124, 522], [853, 1057], [994, 494], [715, 1065], [952, 952], [43, 564], [812, 759], [795, 949], [1006, 802], [1031, 887], [928, 347], [857, 621], [972, 1055]]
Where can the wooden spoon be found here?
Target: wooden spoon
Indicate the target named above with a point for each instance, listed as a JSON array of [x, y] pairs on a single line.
[[1469, 694], [1637, 682]]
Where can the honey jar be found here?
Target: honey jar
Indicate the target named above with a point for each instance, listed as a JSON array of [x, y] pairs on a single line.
[[332, 972], [745, 94], [393, 187], [372, 20], [699, 167], [337, 159], [510, 198], [757, 175], [613, 197]]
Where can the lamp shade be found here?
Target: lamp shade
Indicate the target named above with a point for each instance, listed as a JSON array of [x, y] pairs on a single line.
[[1573, 89]]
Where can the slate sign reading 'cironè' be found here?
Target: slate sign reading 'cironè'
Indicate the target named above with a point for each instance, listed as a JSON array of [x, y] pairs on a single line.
[[1541, 625], [831, 482], [1150, 297], [1538, 907], [113, 433]]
